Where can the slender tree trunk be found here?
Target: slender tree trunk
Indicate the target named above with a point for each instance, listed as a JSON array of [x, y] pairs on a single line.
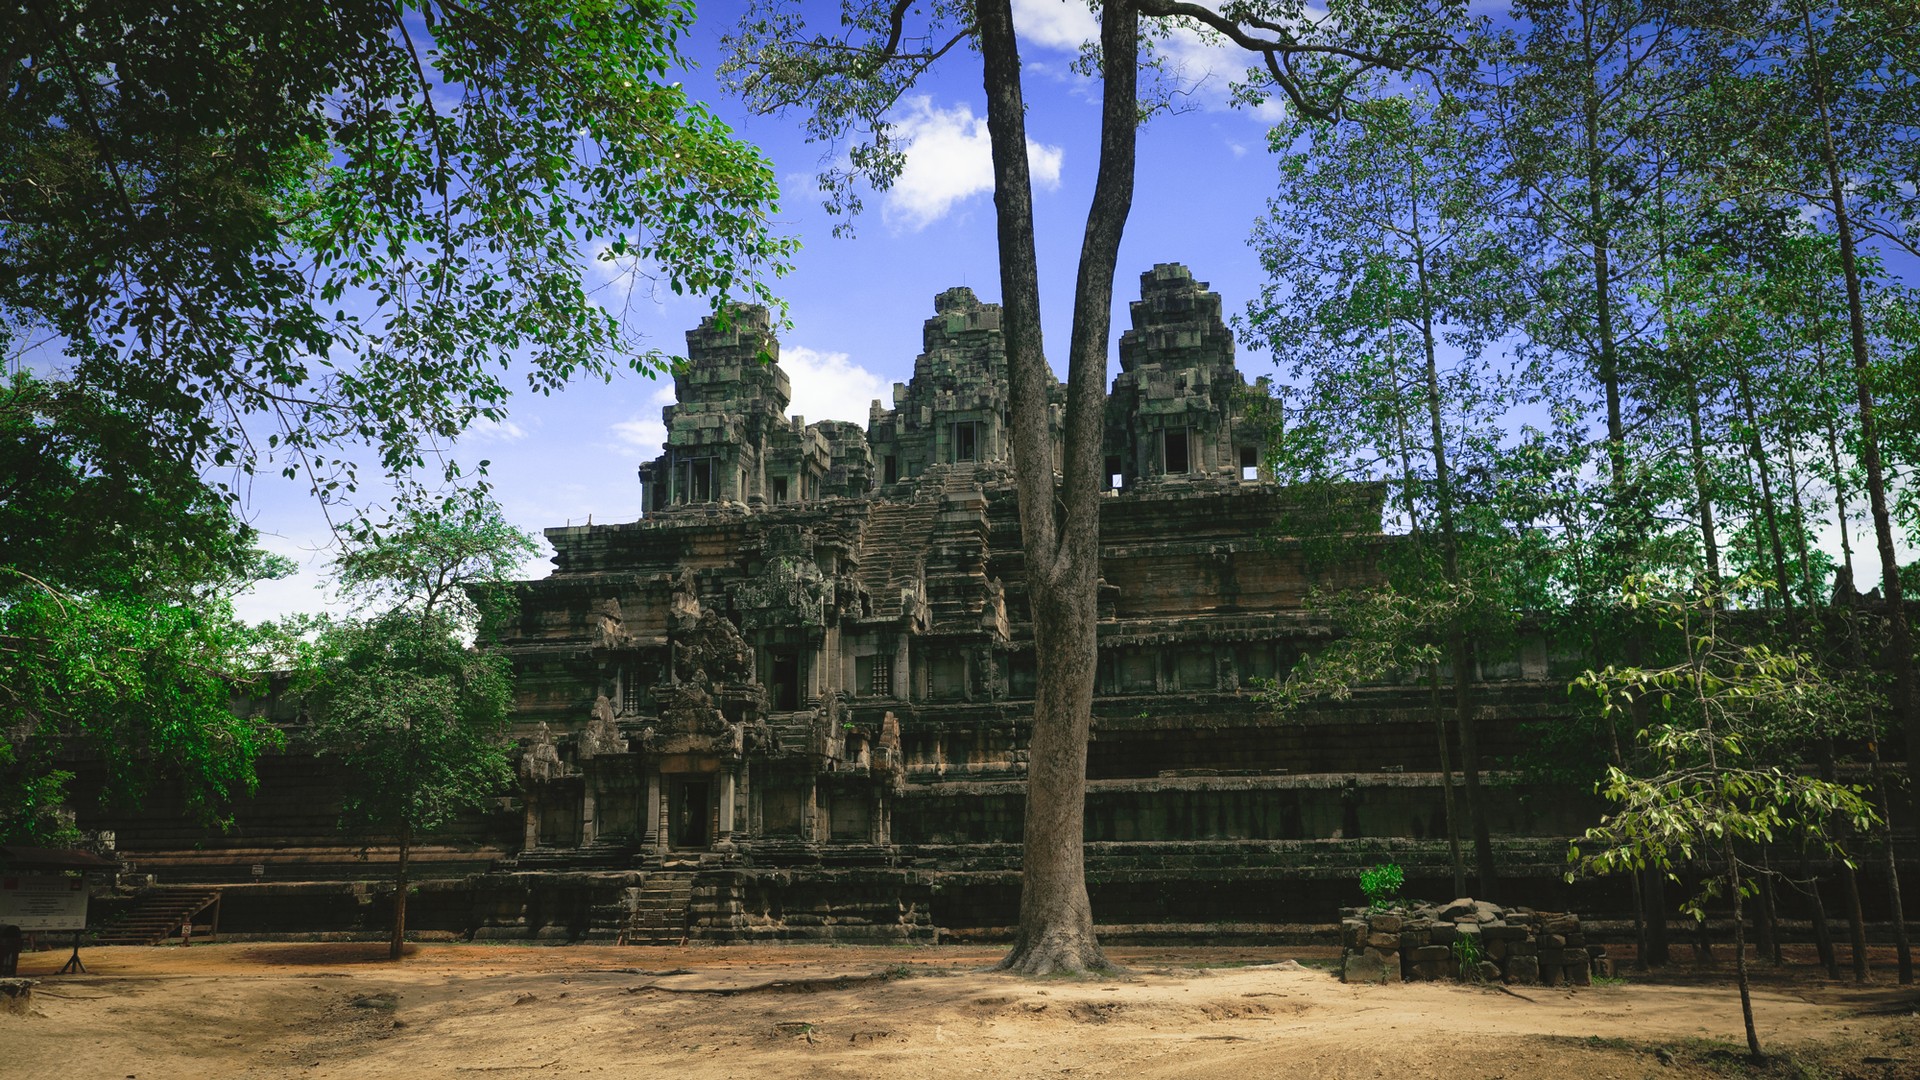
[[1740, 956], [1703, 493], [1759, 457], [1849, 879], [1817, 912], [1059, 527], [1902, 946], [1624, 515], [1906, 710], [1769, 916], [1446, 779], [1458, 648], [1839, 478], [400, 894]]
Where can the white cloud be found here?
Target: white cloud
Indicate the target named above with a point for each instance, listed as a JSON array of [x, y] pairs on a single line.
[[949, 158], [1055, 24], [484, 430], [830, 386], [647, 435], [1202, 66]]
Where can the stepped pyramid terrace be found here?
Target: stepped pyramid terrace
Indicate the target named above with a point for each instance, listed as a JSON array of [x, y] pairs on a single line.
[[791, 700]]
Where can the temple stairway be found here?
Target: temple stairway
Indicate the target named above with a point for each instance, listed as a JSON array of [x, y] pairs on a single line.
[[660, 913], [157, 915]]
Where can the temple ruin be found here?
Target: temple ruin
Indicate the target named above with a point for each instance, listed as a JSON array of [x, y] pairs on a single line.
[[790, 701]]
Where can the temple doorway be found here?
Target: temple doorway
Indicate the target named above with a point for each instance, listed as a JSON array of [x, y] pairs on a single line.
[[689, 813]]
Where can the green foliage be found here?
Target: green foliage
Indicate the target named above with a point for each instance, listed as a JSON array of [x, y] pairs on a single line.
[[117, 636], [1382, 884], [414, 713], [848, 73], [1719, 718], [1467, 954], [333, 223]]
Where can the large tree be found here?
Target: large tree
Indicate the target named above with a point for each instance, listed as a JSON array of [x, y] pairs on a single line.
[[848, 81], [273, 227], [402, 697], [280, 234], [1385, 263], [118, 642]]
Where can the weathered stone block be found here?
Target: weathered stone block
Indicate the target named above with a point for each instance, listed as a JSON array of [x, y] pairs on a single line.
[[1579, 974], [1552, 941], [1430, 953], [1551, 957], [1442, 934], [1413, 939], [1549, 974], [1385, 924], [1391, 960], [1430, 970], [1504, 933], [1366, 966], [1523, 969]]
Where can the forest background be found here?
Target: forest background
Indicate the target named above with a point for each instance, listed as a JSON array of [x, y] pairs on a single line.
[[1602, 295]]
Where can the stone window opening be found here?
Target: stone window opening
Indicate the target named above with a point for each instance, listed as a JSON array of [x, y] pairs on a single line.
[[627, 690], [779, 489], [1173, 455], [785, 680], [966, 441], [874, 675], [1249, 463], [892, 470], [1115, 480], [693, 480]]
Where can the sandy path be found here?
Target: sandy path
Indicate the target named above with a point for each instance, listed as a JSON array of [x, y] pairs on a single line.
[[502, 1011]]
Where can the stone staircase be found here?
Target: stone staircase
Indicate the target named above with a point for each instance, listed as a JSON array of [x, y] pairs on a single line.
[[894, 543], [611, 855], [660, 912], [158, 914]]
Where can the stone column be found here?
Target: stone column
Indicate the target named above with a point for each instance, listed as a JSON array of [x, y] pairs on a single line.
[[652, 833], [726, 804], [588, 799], [532, 805]]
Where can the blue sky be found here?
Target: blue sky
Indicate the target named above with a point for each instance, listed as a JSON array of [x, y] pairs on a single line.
[[857, 304]]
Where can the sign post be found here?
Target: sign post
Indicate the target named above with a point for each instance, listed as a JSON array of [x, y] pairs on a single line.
[[46, 902]]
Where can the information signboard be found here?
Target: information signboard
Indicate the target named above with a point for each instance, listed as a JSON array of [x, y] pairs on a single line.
[[43, 902]]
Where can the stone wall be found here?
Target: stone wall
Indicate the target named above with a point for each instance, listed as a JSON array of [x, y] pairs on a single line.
[[1467, 939]]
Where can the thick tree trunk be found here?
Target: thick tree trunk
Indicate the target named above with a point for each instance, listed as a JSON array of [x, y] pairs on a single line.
[[1059, 527], [400, 895]]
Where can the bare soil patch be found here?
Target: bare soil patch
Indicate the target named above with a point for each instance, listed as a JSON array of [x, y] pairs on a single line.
[[476, 1011]]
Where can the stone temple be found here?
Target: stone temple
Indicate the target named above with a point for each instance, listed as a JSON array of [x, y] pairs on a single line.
[[791, 700]]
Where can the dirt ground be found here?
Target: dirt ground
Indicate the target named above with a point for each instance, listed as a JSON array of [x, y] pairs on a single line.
[[340, 1010]]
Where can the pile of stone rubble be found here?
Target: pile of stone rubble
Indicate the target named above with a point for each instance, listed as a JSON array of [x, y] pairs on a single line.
[[1467, 939]]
